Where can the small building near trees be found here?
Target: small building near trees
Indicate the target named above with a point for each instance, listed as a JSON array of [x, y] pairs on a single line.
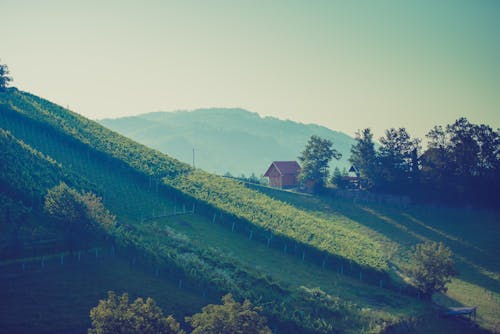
[[283, 174]]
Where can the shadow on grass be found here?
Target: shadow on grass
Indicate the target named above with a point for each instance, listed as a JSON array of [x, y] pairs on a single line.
[[473, 243]]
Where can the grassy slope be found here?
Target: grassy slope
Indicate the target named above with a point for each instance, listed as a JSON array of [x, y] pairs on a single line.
[[121, 200], [58, 298], [472, 234], [231, 198]]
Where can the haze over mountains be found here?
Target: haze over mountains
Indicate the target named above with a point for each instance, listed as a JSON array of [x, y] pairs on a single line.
[[226, 140]]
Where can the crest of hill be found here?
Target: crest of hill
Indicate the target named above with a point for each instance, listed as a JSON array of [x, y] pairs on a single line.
[[227, 139]]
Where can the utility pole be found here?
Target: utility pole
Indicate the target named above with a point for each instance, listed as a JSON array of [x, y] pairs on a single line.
[[193, 159]]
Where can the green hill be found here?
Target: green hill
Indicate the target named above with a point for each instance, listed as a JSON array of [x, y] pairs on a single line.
[[311, 273], [226, 140]]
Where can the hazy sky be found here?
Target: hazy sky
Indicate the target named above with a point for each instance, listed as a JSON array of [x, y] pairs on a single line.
[[343, 64]]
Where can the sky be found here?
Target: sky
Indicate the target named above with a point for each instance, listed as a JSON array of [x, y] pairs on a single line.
[[345, 64]]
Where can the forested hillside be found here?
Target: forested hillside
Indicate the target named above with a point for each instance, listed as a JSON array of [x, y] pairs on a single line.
[[226, 140]]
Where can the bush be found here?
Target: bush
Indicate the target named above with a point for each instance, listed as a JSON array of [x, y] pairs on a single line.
[[432, 267], [115, 315], [230, 317]]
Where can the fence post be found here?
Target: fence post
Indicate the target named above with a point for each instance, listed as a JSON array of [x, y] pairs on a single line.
[[213, 219], [232, 228], [360, 275], [180, 284], [251, 235]]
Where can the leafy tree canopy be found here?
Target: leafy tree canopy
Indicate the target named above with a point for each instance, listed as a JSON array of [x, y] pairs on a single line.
[[432, 267], [77, 210], [230, 317], [115, 315], [315, 160]]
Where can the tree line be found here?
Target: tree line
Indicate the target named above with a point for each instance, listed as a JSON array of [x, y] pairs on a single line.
[[459, 165]]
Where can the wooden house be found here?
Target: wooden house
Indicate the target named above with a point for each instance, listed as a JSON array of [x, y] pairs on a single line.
[[283, 174]]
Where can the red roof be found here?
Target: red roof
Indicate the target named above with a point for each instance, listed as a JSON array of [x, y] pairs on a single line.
[[285, 167]]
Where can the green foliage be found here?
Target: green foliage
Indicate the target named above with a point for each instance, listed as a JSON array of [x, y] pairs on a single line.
[[115, 315], [280, 218], [364, 157], [462, 162], [432, 267], [230, 317], [315, 160], [226, 195], [395, 160], [65, 205], [339, 178], [77, 213], [202, 266], [25, 172], [4, 77]]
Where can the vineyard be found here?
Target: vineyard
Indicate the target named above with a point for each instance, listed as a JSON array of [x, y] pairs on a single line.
[[203, 231], [165, 251], [225, 195]]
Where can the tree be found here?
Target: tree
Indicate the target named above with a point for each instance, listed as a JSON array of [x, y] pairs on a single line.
[[339, 178], [364, 157], [462, 161], [4, 77], [230, 317], [432, 267], [397, 159], [315, 159], [77, 213], [115, 315]]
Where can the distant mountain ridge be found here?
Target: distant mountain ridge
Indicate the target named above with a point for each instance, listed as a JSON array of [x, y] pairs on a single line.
[[226, 139]]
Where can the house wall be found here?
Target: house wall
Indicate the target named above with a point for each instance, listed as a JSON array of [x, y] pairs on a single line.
[[289, 180]]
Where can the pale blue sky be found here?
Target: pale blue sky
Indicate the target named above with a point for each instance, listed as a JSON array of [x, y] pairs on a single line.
[[343, 64]]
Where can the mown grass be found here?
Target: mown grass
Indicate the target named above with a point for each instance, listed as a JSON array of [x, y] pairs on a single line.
[[472, 234]]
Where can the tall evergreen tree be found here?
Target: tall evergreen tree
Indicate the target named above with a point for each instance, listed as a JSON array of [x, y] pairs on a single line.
[[4, 77], [364, 158]]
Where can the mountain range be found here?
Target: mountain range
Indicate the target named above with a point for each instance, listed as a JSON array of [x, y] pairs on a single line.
[[226, 139]]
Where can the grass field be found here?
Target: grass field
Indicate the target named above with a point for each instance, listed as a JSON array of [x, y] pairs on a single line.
[[472, 234], [58, 298]]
